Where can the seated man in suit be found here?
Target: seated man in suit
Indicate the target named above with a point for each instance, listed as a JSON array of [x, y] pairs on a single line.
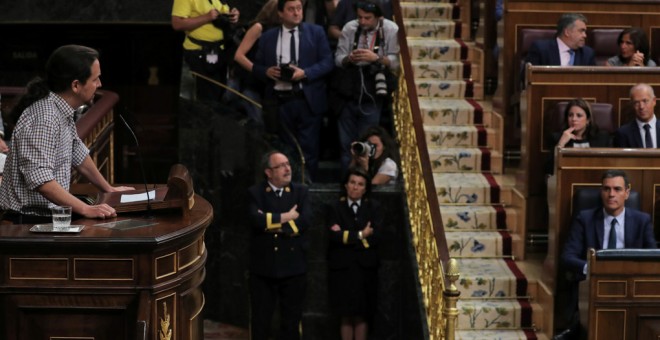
[[608, 227], [568, 48], [643, 131], [592, 228]]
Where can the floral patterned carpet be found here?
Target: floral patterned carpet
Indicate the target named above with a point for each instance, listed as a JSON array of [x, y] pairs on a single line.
[[464, 140]]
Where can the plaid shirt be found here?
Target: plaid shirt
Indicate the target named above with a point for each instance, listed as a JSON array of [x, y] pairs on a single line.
[[45, 145]]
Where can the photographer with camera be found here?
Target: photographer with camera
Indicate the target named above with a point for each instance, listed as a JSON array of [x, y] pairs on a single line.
[[375, 152], [367, 55], [208, 25]]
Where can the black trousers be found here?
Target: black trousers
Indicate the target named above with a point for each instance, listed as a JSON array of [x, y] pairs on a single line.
[[265, 294], [207, 92]]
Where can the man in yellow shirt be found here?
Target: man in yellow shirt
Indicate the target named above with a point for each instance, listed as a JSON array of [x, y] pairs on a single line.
[[205, 23]]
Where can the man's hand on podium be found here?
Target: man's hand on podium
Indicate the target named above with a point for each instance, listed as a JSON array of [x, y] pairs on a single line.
[[122, 188], [98, 211]]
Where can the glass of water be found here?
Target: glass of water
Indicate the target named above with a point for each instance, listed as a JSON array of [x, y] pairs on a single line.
[[61, 217]]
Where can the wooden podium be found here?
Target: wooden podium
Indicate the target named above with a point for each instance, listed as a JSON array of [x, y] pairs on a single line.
[[621, 297], [178, 194], [106, 282]]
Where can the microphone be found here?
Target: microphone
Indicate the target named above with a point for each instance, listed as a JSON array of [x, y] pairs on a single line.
[[139, 155]]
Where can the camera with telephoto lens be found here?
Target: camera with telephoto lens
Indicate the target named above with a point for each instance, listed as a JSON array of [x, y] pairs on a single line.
[[286, 72], [364, 149], [381, 84]]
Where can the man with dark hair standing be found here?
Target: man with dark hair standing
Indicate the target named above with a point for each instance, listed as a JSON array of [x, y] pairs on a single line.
[[293, 60], [45, 143], [642, 132], [279, 214], [568, 48], [368, 52]]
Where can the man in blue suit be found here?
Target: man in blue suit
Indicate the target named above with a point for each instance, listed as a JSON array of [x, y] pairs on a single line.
[[592, 228], [568, 48], [293, 60], [644, 131], [607, 227]]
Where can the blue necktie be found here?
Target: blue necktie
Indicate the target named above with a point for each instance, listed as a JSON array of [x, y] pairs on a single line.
[[571, 61], [611, 244]]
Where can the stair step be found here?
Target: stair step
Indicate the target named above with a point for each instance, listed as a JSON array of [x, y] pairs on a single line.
[[427, 10], [495, 334], [478, 244], [459, 136], [493, 315], [442, 70], [442, 88], [490, 278], [473, 217], [463, 159], [466, 188], [432, 29], [439, 50], [447, 111]]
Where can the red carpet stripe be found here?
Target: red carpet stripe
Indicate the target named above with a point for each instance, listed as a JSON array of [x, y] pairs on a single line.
[[464, 49], [469, 89], [530, 334], [485, 159], [478, 111], [494, 187], [467, 69], [456, 11], [507, 248], [500, 217], [457, 29], [482, 136], [525, 313], [521, 280]]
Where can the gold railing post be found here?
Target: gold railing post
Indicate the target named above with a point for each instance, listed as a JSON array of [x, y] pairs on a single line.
[[451, 294]]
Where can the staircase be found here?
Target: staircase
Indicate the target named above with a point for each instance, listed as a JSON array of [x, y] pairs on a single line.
[[483, 215]]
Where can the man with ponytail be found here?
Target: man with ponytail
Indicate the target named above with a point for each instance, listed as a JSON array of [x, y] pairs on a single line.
[[45, 144]]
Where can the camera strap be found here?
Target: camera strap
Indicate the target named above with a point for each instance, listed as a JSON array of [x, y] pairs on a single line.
[[376, 43]]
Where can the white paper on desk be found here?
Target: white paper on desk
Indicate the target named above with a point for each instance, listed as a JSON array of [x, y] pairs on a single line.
[[137, 197]]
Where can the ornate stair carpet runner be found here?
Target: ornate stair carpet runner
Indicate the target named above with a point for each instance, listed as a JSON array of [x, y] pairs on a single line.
[[464, 138]]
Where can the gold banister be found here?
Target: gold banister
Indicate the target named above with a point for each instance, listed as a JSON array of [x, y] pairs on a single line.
[[439, 295]]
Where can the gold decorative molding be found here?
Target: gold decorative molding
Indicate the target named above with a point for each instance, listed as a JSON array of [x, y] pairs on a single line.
[[165, 331]]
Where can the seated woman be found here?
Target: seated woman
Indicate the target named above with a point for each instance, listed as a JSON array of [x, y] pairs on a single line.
[[633, 49], [381, 164], [579, 131]]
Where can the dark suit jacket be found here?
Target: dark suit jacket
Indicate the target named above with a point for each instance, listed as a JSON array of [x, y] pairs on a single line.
[[628, 136], [600, 140], [546, 52], [587, 231], [278, 254], [344, 247], [314, 56]]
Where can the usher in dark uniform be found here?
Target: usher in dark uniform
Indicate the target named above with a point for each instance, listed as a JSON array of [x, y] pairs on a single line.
[[277, 259], [353, 263]]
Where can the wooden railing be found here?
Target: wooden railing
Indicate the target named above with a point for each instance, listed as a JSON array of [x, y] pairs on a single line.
[[423, 207]]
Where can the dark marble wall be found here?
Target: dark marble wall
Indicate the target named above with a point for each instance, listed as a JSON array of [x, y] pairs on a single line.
[[222, 154]]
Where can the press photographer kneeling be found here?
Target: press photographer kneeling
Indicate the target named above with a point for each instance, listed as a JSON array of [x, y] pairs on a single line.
[[367, 57], [375, 152]]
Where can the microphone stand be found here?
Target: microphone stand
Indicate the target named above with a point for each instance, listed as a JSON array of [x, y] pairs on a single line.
[[139, 155]]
